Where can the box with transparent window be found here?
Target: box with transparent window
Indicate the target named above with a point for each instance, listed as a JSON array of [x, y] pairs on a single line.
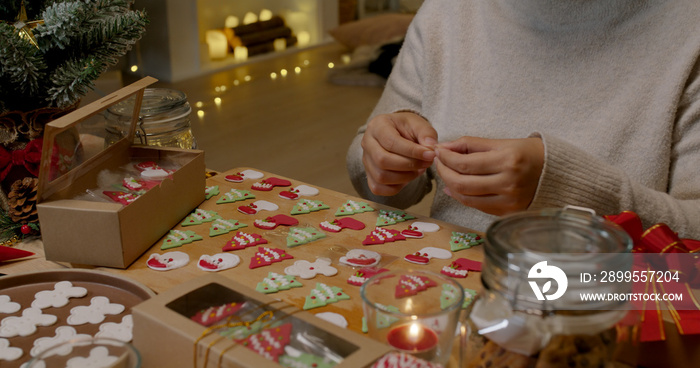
[[164, 120], [530, 313]]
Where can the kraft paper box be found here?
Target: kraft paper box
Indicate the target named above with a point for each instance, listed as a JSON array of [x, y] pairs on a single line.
[[79, 224], [166, 336]]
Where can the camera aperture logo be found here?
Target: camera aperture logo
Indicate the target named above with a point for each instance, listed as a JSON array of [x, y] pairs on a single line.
[[543, 271]]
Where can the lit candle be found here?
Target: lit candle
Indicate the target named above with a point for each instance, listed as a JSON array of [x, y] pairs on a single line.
[[240, 53], [231, 21], [249, 18], [279, 44], [413, 338], [303, 38], [265, 14], [218, 46]]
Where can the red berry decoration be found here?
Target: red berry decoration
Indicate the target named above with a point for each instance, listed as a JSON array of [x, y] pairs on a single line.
[[25, 229]]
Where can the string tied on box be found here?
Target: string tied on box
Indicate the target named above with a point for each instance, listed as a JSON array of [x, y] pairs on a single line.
[[29, 157], [660, 248]]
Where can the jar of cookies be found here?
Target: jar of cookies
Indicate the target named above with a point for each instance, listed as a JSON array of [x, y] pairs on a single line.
[[532, 312]]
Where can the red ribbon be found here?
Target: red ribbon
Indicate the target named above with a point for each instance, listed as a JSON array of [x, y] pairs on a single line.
[[29, 157], [660, 239]]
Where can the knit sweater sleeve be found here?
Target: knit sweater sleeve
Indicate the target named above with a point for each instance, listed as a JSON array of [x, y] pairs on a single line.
[[401, 93], [571, 176]]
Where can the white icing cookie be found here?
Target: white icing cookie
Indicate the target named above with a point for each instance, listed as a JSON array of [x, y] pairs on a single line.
[[334, 318], [58, 297], [360, 258], [8, 352], [8, 306], [26, 324], [119, 331], [218, 262], [99, 357], [63, 334], [95, 312], [167, 261], [307, 270]]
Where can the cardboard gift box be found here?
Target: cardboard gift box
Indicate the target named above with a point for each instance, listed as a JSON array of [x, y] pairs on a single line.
[[166, 334], [79, 224]]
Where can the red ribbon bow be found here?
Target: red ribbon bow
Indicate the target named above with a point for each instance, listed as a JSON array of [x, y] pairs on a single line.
[[660, 239], [29, 157]]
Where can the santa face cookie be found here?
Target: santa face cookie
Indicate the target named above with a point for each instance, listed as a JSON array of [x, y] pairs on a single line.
[[167, 261], [361, 258], [298, 191], [243, 175], [424, 255], [218, 262]]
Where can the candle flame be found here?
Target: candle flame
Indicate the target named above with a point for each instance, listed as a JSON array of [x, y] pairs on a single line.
[[413, 331]]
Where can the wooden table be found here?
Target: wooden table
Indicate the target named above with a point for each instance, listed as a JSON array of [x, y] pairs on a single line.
[[333, 246]]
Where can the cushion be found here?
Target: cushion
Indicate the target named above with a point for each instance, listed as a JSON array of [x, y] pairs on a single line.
[[372, 31]]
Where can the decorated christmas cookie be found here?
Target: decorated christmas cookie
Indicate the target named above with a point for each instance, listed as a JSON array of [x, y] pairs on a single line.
[[200, 216], [211, 191], [138, 185], [177, 238], [8, 306], [266, 185], [7, 352], [352, 207], [257, 206], [449, 295], [342, 223], [411, 284], [392, 217], [243, 175], [267, 256], [122, 197], [302, 235], [334, 318], [26, 324], [122, 331], [235, 195], [218, 262], [360, 258], [242, 332], [298, 359], [274, 221], [307, 206], [58, 297], [323, 295], [424, 255], [460, 241], [418, 229], [270, 343], [94, 313], [380, 236], [460, 268], [363, 274], [307, 270], [167, 261], [221, 226], [386, 319], [243, 240], [98, 357], [296, 192], [403, 360], [212, 315], [63, 334], [275, 282]]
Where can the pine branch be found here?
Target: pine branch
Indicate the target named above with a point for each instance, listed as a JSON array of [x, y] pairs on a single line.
[[72, 80], [20, 63]]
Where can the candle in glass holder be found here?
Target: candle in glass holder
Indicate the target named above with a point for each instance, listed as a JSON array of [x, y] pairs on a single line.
[[413, 338]]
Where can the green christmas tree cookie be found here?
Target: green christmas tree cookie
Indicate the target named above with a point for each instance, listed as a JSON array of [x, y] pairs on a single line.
[[385, 320], [460, 241], [323, 295], [392, 217], [177, 238], [302, 235], [275, 282], [352, 207], [200, 216], [221, 226], [308, 206], [211, 191], [235, 195]]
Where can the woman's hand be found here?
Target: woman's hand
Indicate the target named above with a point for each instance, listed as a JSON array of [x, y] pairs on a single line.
[[496, 176], [397, 148]]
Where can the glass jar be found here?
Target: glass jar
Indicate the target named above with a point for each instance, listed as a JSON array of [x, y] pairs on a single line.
[[164, 120], [530, 312]]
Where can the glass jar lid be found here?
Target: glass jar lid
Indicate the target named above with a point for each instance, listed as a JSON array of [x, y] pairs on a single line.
[[573, 240], [159, 105]]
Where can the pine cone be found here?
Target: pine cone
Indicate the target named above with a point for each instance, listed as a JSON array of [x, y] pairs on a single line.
[[22, 201]]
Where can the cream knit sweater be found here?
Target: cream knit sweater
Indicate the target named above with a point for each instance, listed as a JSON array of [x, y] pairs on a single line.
[[611, 86]]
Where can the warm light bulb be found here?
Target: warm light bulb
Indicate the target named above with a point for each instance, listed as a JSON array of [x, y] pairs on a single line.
[[250, 18], [345, 58], [217, 89], [283, 72], [199, 104], [306, 62], [217, 101], [297, 70], [247, 78], [231, 22], [134, 68], [223, 88], [273, 75], [236, 82], [265, 14], [331, 65], [200, 113]]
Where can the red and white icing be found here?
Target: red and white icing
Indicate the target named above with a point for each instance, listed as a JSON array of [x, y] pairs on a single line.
[[218, 262], [243, 240], [266, 256], [363, 274], [403, 360], [381, 235], [274, 221], [361, 258], [270, 343], [211, 315]]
